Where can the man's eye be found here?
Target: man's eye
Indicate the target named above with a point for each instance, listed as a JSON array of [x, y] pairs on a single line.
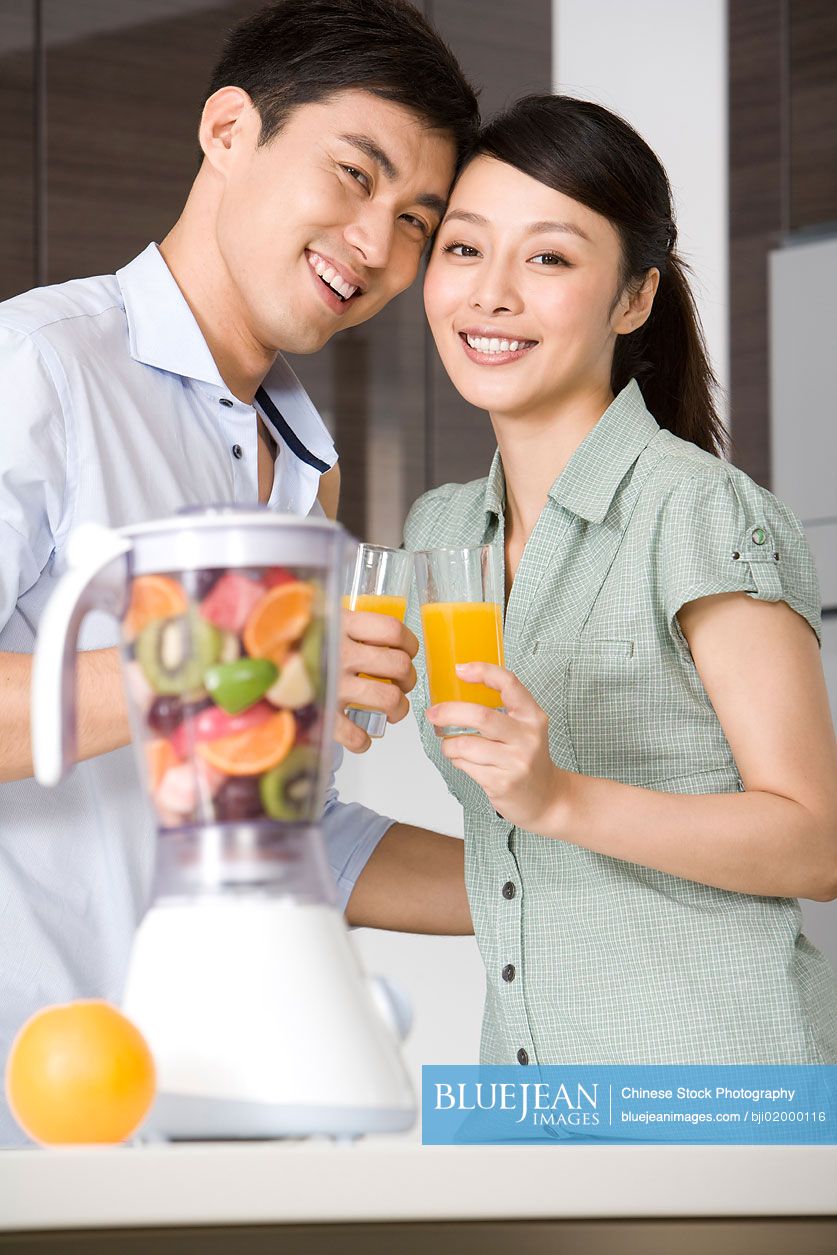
[[461, 250], [417, 222], [358, 176], [549, 259]]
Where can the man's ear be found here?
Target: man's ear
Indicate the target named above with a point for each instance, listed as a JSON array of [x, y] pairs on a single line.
[[633, 307], [228, 113]]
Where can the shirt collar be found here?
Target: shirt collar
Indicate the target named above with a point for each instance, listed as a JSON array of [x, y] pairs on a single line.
[[162, 330], [588, 483]]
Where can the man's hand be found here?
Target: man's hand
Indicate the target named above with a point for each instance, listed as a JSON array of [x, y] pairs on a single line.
[[373, 645]]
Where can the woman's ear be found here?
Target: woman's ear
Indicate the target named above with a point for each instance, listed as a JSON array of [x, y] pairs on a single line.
[[227, 114], [635, 306]]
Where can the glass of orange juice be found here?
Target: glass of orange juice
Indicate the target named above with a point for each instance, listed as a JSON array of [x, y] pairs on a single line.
[[377, 581], [461, 596]]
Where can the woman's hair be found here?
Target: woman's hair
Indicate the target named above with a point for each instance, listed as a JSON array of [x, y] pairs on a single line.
[[593, 156]]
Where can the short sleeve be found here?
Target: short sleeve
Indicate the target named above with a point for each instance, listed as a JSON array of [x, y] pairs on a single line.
[[33, 467], [720, 532]]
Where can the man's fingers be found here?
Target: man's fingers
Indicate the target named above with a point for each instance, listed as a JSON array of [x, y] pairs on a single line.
[[379, 629], [350, 736], [380, 663], [360, 691]]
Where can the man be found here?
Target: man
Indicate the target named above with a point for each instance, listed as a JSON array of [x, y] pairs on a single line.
[[330, 138]]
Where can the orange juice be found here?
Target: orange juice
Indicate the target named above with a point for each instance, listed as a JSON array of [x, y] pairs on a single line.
[[376, 603], [461, 631]]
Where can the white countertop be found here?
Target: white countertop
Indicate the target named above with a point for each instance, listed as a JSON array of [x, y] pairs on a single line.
[[379, 1180]]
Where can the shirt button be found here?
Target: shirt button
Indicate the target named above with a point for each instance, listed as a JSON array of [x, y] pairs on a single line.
[[759, 536], [237, 451], [225, 401], [509, 890], [522, 1056], [508, 973]]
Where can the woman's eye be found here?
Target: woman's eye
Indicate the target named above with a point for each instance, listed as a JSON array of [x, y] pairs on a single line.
[[549, 259], [358, 176], [461, 250]]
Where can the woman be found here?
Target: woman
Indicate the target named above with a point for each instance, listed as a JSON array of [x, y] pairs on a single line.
[[664, 784]]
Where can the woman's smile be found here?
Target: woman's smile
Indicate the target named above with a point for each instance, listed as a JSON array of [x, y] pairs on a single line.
[[488, 346]]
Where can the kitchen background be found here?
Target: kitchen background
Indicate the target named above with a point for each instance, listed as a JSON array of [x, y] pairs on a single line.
[[99, 103]]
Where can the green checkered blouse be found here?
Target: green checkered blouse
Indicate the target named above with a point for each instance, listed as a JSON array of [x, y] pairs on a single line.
[[614, 962]]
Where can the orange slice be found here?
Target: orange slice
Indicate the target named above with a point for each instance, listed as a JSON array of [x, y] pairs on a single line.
[[254, 751], [152, 597], [159, 756], [280, 617]]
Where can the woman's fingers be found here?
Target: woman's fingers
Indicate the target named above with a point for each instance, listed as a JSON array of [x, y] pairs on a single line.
[[489, 723], [516, 698]]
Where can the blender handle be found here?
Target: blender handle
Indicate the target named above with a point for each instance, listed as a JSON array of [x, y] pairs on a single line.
[[95, 580], [392, 1004]]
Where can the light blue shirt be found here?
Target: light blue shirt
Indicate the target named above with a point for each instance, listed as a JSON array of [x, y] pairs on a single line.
[[114, 412]]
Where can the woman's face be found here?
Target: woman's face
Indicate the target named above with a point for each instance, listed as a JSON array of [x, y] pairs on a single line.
[[521, 293]]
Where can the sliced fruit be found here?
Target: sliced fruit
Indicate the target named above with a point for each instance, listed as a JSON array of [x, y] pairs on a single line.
[[231, 600], [293, 689], [279, 619], [152, 597], [273, 576], [212, 723], [175, 653], [160, 755], [312, 656], [250, 753], [289, 791], [235, 686], [178, 790]]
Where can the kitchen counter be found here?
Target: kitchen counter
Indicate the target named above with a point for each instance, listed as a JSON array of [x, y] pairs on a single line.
[[320, 1183]]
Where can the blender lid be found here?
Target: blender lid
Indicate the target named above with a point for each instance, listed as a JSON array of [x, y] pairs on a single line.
[[222, 516]]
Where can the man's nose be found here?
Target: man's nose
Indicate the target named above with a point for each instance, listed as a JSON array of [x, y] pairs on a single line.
[[371, 235]]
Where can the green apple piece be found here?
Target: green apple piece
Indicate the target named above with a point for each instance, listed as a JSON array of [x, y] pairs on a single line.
[[293, 689], [312, 655], [236, 686]]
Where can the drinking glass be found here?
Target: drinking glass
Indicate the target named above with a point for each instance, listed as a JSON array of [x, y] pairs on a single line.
[[461, 596], [377, 581]]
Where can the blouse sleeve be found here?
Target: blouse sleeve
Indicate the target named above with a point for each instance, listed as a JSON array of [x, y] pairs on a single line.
[[720, 533]]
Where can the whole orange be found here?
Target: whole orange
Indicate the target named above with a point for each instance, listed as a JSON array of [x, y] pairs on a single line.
[[79, 1072]]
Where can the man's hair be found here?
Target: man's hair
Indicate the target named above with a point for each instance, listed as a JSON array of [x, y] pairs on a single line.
[[297, 52]]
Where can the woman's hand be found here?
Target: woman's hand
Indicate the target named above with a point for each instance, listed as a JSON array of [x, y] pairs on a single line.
[[372, 645], [510, 758]]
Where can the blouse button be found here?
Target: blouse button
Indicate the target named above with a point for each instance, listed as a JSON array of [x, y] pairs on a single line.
[[759, 536], [509, 890], [522, 1056], [508, 973]]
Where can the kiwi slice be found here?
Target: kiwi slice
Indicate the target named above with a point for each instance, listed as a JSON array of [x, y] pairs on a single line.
[[174, 653], [289, 791]]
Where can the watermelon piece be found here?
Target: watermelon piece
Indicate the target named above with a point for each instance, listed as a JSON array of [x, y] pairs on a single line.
[[230, 602], [211, 723], [273, 576]]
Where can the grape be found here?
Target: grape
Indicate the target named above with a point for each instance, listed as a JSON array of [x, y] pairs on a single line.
[[239, 798], [165, 714], [198, 583]]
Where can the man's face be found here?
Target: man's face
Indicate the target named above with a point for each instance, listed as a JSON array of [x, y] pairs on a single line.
[[344, 197]]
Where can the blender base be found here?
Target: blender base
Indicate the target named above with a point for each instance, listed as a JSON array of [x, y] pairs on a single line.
[[200, 1118]]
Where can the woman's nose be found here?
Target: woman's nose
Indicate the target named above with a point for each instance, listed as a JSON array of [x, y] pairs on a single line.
[[494, 294]]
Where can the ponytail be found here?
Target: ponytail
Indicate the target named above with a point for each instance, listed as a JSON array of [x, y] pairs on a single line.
[[667, 356]]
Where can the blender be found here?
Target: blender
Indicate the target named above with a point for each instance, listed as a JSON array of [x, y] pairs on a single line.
[[242, 975]]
